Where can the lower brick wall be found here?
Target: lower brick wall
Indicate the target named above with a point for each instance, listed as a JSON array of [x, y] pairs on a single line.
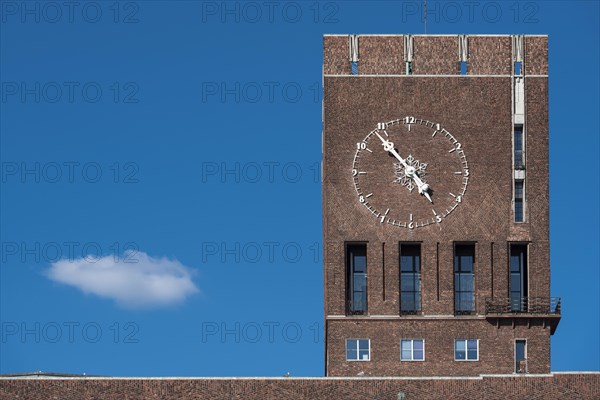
[[496, 346], [570, 386]]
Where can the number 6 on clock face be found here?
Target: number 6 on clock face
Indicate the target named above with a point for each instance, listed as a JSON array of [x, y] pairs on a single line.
[[410, 172]]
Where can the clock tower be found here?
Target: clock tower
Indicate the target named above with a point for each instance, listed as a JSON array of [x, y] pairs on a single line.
[[435, 205]]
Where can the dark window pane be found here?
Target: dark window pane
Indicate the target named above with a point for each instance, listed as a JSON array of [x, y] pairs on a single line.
[[520, 350], [360, 264], [351, 354], [519, 211], [408, 282], [466, 282], [356, 262], [407, 302], [472, 355], [418, 354], [518, 189], [515, 263]]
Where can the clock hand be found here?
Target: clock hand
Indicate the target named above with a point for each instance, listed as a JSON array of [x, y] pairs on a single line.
[[410, 171]]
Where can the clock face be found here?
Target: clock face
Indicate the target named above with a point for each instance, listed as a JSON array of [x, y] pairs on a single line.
[[410, 172]]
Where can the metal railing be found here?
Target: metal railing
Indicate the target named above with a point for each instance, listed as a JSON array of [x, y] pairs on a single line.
[[529, 305]]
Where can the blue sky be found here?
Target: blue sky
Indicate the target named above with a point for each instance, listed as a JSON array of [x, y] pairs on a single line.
[[174, 146]]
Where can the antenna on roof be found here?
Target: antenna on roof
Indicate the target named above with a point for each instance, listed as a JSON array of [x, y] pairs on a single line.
[[425, 14]]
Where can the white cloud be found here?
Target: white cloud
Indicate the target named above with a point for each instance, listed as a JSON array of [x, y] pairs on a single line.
[[149, 282]]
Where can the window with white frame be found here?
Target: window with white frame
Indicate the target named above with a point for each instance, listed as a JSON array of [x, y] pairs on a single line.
[[358, 349], [466, 350], [412, 350]]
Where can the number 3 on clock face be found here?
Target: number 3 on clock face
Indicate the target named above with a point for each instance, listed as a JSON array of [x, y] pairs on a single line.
[[410, 172]]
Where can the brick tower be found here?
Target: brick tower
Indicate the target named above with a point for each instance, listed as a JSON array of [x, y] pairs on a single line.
[[435, 205]]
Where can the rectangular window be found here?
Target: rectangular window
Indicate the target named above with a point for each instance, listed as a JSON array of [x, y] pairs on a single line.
[[518, 277], [409, 68], [356, 265], [519, 154], [464, 278], [354, 67], [519, 196], [410, 278], [521, 356], [358, 349], [466, 350], [412, 350]]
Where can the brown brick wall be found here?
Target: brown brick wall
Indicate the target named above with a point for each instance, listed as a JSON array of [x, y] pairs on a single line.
[[557, 386], [490, 55], [496, 346], [381, 55], [478, 111], [335, 55], [435, 55], [536, 55]]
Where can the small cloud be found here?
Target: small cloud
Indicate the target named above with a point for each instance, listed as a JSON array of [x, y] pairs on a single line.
[[149, 282]]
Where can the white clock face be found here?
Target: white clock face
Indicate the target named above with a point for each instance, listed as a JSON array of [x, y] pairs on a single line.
[[410, 172]]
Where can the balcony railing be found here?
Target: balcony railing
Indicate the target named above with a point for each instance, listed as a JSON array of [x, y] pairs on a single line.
[[528, 305]]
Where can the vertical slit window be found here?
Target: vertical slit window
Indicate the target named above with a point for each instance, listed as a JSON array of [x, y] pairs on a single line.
[[464, 279], [463, 67], [519, 154], [519, 196], [354, 67], [518, 66], [356, 260], [518, 277], [409, 68], [521, 356], [410, 278]]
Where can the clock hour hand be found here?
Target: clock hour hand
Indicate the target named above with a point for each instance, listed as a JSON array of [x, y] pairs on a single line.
[[410, 171]]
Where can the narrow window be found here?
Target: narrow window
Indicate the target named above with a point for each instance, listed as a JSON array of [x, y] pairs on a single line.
[[412, 350], [518, 147], [356, 261], [463, 67], [519, 195], [410, 278], [466, 350], [518, 277], [464, 287], [521, 356], [354, 66], [518, 68], [409, 68], [358, 349]]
